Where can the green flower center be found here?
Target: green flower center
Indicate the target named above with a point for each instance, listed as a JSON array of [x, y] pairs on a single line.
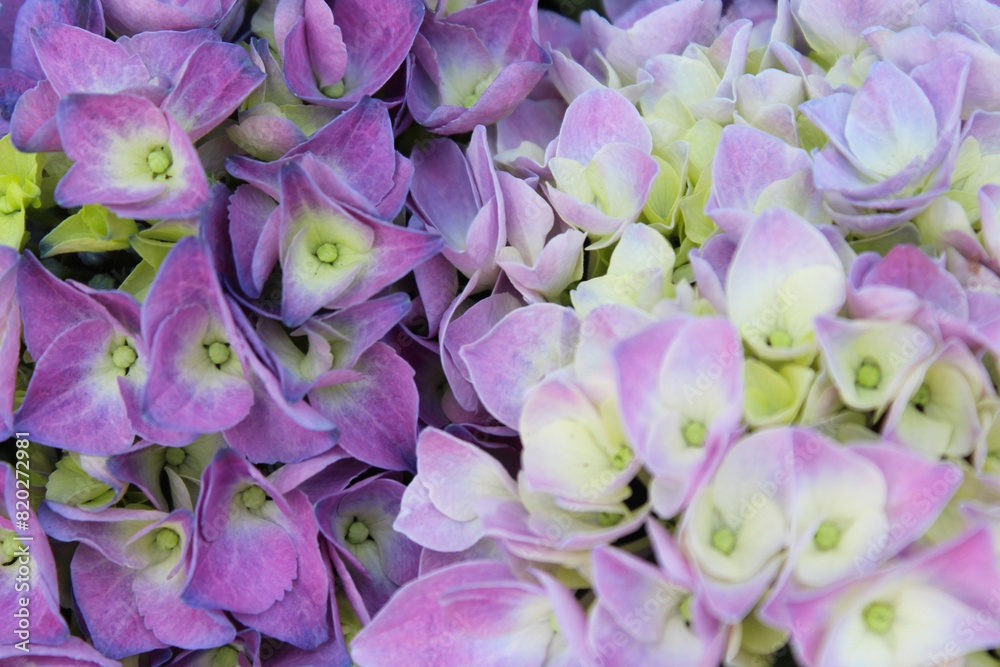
[[694, 434], [622, 458], [685, 608], [608, 518], [123, 357], [473, 97], [921, 398], [334, 90], [724, 540], [218, 353], [175, 456], [226, 656], [827, 536], [10, 202], [779, 339], [14, 197], [878, 617], [327, 253], [253, 497], [869, 375], [9, 545], [167, 539], [159, 160], [357, 532]]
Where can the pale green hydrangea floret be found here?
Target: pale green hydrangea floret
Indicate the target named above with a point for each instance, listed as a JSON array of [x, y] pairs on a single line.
[[20, 179], [357, 532], [253, 497], [17, 195], [639, 273], [878, 617], [92, 229], [70, 484]]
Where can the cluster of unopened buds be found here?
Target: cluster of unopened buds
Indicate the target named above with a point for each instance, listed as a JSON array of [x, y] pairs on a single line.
[[387, 333]]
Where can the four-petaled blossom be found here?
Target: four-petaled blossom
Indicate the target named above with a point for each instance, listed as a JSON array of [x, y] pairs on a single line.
[[473, 67], [885, 162], [129, 156], [330, 53], [602, 170]]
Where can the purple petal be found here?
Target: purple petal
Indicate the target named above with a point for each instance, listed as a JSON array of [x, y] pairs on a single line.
[[884, 136], [597, 118], [108, 67], [224, 69], [299, 617], [358, 145], [439, 168], [377, 415], [375, 55], [255, 241], [186, 390], [103, 593], [242, 562], [746, 162], [157, 591], [86, 14], [74, 652], [472, 325], [49, 306], [73, 400], [131, 17], [166, 51], [110, 137], [268, 434], [482, 623], [33, 127], [520, 350]]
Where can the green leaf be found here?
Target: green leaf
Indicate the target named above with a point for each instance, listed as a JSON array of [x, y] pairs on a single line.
[[93, 229], [139, 281], [20, 174], [704, 139], [70, 485], [661, 207], [170, 231], [151, 250], [774, 397], [697, 226]]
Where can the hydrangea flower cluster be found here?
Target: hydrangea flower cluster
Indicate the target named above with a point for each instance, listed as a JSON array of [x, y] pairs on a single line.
[[384, 332]]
